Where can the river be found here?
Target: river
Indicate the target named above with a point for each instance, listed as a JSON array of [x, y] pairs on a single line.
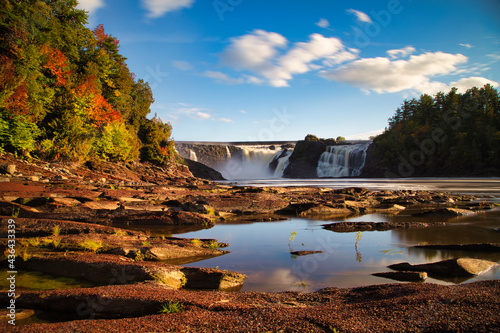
[[261, 250]]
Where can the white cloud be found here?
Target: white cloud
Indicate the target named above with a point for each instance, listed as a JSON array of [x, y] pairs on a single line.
[[258, 53], [243, 111], [178, 110], [323, 23], [226, 120], [404, 52], [385, 75], [466, 45], [362, 17], [222, 77], [158, 8], [182, 65], [253, 51], [90, 5], [466, 83]]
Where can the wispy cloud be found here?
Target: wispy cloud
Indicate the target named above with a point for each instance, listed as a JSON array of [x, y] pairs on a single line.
[[360, 16], [182, 65], [466, 45], [226, 120], [323, 23], [158, 8]]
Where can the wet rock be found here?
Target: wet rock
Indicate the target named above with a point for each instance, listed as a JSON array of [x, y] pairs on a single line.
[[324, 210], [304, 253], [462, 267], [451, 212], [347, 226], [104, 269], [207, 278], [403, 275]]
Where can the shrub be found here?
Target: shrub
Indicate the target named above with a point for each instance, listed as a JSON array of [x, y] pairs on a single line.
[[117, 143]]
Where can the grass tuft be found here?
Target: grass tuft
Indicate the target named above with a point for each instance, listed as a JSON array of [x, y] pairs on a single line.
[[171, 307], [91, 245]]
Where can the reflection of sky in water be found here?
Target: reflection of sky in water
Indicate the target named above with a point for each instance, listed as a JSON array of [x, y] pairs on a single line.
[[261, 251]]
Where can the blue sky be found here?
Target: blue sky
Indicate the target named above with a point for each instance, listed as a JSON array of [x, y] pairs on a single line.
[[255, 70]]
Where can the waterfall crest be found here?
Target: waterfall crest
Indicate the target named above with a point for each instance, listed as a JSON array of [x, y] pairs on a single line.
[[342, 160]]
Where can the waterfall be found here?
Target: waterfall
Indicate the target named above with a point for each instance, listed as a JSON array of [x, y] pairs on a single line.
[[192, 156], [228, 152], [342, 160], [253, 162], [283, 162]]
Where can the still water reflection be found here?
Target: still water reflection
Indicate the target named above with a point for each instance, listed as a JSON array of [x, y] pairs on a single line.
[[262, 250]]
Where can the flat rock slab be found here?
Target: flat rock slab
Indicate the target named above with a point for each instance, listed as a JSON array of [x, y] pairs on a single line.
[[377, 226], [463, 267], [114, 270], [451, 212], [403, 275]]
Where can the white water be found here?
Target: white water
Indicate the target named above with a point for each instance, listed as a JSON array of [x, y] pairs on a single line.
[[342, 161], [254, 164], [192, 156], [282, 163]]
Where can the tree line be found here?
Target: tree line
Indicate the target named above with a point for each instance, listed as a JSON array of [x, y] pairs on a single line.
[[449, 134], [66, 92]]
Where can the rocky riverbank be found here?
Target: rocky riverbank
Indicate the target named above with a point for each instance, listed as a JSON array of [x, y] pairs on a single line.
[[77, 221]]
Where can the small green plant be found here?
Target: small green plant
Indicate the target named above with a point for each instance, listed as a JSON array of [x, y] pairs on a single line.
[[302, 283], [139, 256], [196, 242], [119, 233], [146, 243], [34, 241], [15, 211], [171, 307], [333, 329], [358, 254], [91, 245], [213, 245], [291, 238], [56, 230], [56, 243]]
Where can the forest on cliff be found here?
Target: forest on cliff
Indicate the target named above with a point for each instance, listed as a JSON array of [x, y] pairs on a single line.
[[66, 91], [449, 134]]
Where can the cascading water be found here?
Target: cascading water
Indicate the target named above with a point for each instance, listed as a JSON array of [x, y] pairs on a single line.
[[342, 160], [192, 156]]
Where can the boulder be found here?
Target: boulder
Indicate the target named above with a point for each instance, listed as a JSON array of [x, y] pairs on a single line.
[[200, 170], [8, 169], [304, 160], [462, 267]]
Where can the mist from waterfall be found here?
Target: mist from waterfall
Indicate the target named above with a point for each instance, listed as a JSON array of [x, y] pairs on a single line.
[[254, 164], [342, 160]]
